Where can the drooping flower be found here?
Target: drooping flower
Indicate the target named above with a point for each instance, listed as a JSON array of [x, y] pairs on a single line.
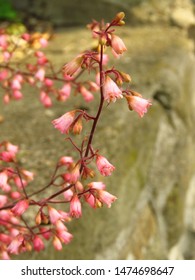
[[106, 197], [20, 207], [14, 246], [64, 236], [66, 160], [64, 122], [40, 75], [3, 200], [54, 215], [45, 99], [111, 90], [138, 104], [87, 95], [38, 243], [75, 207], [64, 92], [97, 185], [104, 166], [117, 44], [74, 65], [3, 178]]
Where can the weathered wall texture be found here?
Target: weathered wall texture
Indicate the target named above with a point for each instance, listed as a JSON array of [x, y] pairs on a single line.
[[154, 216]]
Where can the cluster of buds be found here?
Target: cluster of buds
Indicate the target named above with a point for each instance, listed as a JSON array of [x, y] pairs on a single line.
[[72, 183]]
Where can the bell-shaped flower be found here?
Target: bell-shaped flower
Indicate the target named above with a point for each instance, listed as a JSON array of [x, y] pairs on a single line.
[[138, 104], [104, 166], [64, 122], [111, 90]]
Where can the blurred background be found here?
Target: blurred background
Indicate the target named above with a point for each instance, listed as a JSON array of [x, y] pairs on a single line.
[[154, 215]]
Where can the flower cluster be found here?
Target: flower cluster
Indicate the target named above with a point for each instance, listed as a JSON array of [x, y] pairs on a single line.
[[73, 182]]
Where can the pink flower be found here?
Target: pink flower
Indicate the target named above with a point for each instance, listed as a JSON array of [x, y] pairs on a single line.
[[40, 75], [3, 200], [106, 197], [90, 199], [74, 175], [45, 99], [5, 256], [17, 95], [138, 104], [43, 42], [64, 122], [54, 215], [64, 92], [104, 166], [68, 195], [117, 44], [75, 207], [20, 207], [38, 243], [111, 90], [3, 41], [73, 66], [66, 160], [48, 82], [3, 75], [97, 185], [26, 36], [29, 176], [3, 178], [11, 148], [64, 236], [6, 56], [87, 95], [45, 232], [14, 246], [15, 84]]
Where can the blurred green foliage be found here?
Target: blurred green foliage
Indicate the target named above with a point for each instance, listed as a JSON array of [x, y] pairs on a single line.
[[6, 11]]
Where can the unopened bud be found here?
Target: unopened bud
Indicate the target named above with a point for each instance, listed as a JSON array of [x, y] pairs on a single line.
[[77, 128]]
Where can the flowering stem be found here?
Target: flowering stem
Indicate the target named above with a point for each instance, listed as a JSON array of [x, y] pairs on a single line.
[[99, 109]]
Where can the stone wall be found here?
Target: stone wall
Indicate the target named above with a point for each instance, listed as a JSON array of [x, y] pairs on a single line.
[[73, 13], [153, 217]]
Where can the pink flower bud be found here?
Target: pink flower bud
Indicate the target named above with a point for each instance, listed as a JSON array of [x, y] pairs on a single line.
[[66, 160], [26, 36], [43, 42], [40, 75], [20, 207], [38, 243], [104, 166], [87, 95], [17, 95], [45, 99], [3, 200], [75, 207], [3, 75], [64, 92], [48, 82]]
